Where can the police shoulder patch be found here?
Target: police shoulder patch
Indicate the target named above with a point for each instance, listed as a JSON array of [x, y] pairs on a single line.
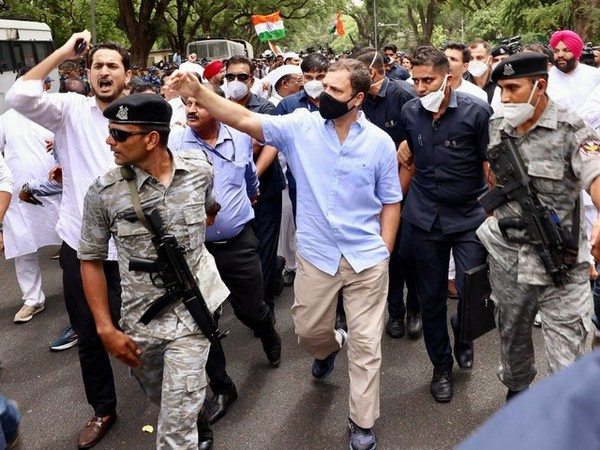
[[590, 147]]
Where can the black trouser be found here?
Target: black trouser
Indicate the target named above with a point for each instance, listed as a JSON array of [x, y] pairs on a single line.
[[432, 256], [266, 225], [238, 263], [402, 271], [96, 370]]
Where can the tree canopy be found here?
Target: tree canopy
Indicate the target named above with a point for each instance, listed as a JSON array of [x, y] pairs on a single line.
[[143, 25]]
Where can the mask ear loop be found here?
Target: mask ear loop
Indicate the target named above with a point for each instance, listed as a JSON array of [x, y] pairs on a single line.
[[535, 85], [373, 61]]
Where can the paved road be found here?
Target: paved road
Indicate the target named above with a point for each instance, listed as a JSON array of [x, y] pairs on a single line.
[[278, 409]]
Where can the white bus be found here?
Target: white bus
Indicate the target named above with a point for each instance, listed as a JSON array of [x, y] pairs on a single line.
[[213, 49], [22, 43]]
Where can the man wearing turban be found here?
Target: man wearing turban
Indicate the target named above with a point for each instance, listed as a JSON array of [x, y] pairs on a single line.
[[569, 83]]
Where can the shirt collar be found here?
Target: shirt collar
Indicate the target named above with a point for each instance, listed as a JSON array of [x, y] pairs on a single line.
[[453, 102], [252, 101], [141, 176], [384, 86]]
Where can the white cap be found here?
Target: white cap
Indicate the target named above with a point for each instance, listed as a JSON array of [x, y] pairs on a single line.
[[274, 76], [289, 55]]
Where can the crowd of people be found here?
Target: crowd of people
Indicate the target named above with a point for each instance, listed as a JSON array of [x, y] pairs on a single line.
[[297, 170]]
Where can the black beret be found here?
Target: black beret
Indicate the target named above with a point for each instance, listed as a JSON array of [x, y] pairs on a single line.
[[140, 109], [521, 65], [500, 50]]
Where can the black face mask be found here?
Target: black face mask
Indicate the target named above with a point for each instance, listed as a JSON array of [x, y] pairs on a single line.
[[331, 108]]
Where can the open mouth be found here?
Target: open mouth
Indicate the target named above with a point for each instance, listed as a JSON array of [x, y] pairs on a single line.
[[104, 84]]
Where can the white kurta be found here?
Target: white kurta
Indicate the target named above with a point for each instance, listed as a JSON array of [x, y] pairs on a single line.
[[572, 90], [27, 227]]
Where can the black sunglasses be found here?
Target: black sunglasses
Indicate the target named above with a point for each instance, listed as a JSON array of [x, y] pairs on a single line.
[[122, 135], [243, 77]]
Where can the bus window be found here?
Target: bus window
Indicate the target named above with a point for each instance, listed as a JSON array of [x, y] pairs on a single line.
[[28, 55], [42, 50], [6, 61]]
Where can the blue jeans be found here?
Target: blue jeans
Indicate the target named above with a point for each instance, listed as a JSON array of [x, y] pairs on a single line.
[[9, 421]]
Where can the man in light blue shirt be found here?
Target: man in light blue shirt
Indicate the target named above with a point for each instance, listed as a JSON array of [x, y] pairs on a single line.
[[348, 214]]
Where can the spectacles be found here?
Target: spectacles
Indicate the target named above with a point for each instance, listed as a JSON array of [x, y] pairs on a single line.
[[122, 135], [243, 77]]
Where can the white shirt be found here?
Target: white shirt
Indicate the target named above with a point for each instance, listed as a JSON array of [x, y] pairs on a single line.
[[590, 110], [470, 88], [80, 127], [179, 116], [27, 227], [571, 90], [6, 178]]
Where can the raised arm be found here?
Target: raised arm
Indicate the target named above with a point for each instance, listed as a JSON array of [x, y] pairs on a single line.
[[228, 112]]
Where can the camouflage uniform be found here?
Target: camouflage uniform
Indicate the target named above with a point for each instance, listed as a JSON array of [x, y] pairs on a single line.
[[174, 350], [560, 157]]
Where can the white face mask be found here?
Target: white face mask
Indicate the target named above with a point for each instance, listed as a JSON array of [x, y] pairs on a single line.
[[313, 88], [518, 113], [237, 89], [477, 68], [433, 100]]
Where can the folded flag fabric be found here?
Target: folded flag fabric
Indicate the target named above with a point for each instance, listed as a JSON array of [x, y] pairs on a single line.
[[268, 27], [338, 26]]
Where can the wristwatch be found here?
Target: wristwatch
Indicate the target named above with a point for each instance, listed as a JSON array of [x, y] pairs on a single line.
[[25, 188]]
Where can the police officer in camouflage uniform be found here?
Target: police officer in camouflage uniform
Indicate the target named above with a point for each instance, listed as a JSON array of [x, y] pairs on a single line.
[[560, 153], [169, 354]]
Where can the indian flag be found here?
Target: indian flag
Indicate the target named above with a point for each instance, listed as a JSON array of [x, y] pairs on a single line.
[[268, 27], [337, 28]]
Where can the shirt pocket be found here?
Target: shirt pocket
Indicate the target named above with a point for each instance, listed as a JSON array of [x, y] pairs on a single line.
[[235, 173], [194, 217], [547, 176]]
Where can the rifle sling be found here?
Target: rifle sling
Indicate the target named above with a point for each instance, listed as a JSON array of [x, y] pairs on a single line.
[[129, 175]]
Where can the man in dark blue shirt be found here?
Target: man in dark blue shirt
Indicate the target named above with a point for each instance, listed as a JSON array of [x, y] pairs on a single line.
[[448, 135], [382, 107], [394, 70]]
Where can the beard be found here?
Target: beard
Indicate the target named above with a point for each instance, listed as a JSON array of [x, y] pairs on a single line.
[[567, 66]]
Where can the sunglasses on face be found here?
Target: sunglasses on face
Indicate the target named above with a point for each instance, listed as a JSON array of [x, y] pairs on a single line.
[[122, 135], [243, 77]]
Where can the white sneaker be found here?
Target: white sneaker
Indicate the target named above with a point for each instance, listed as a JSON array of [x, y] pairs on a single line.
[[26, 313], [537, 322]]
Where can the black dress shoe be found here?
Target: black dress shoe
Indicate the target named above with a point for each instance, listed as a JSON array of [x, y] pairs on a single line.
[[442, 389], [395, 328], [217, 406], [463, 351], [272, 347], [205, 443], [414, 326]]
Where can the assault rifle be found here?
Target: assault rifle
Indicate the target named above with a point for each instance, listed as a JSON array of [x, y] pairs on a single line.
[[554, 243], [175, 276]]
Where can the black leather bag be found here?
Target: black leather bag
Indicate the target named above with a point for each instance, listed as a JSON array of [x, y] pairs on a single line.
[[477, 315]]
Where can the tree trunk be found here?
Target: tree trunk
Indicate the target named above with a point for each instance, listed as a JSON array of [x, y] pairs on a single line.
[[585, 14]]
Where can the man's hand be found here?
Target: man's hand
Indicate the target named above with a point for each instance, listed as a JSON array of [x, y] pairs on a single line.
[[185, 83], [122, 347], [404, 155], [49, 146], [56, 173], [69, 49], [27, 197]]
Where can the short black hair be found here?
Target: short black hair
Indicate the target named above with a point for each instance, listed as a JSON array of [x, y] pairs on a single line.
[[370, 57], [314, 62], [391, 47], [479, 41], [360, 78], [22, 71], [125, 56], [240, 59], [431, 56], [466, 53], [143, 86], [74, 84]]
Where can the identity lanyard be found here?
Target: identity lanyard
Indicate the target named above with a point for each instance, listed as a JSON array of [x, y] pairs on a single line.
[[207, 147]]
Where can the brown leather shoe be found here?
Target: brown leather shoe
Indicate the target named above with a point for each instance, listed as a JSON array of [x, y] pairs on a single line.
[[95, 430]]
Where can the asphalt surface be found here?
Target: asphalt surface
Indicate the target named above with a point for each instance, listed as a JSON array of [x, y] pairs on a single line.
[[277, 409]]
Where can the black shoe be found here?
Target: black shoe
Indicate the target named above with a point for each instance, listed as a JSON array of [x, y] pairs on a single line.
[[395, 328], [442, 389], [288, 277], [217, 406], [205, 434], [463, 351], [361, 438], [512, 394], [272, 347], [414, 325]]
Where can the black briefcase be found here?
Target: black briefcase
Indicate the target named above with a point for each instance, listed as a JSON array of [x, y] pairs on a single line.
[[477, 315]]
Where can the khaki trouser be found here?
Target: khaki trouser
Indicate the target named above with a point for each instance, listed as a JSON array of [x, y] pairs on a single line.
[[313, 312]]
